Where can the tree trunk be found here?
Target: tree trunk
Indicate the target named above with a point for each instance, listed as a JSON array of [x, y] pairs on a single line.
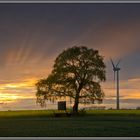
[[75, 107], [76, 103]]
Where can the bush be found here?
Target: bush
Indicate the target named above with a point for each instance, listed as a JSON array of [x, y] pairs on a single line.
[[138, 108]]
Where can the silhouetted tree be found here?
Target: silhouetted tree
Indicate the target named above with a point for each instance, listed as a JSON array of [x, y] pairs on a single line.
[[77, 74]]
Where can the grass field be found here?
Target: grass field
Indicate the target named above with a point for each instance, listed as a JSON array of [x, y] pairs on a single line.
[[95, 123]]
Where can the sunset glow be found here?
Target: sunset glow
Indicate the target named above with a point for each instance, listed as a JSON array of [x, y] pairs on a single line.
[[32, 36]]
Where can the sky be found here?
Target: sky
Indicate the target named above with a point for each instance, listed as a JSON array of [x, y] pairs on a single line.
[[32, 35]]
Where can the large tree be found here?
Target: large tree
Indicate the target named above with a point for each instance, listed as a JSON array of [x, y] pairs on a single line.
[[77, 73]]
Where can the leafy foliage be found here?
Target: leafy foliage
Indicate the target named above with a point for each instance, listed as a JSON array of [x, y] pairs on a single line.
[[77, 74]]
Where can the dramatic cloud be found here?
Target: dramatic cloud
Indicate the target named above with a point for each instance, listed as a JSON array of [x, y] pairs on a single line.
[[32, 35]]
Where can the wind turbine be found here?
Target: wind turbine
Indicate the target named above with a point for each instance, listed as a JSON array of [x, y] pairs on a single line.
[[116, 69]]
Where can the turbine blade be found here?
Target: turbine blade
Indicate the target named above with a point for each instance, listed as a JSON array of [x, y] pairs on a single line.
[[112, 63], [118, 62]]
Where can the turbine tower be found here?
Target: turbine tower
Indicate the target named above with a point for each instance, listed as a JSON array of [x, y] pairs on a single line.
[[116, 69]]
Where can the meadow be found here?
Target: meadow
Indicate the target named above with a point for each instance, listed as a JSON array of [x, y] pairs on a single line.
[[93, 123]]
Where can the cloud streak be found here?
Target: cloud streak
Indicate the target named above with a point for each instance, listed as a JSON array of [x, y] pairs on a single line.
[[32, 35]]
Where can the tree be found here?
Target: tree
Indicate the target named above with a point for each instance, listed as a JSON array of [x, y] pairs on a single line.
[[77, 73]]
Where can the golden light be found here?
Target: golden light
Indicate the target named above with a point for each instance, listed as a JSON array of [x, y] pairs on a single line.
[[8, 97], [11, 86], [24, 83], [7, 91]]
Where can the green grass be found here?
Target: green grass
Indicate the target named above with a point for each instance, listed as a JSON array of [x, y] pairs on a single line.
[[26, 114], [95, 123]]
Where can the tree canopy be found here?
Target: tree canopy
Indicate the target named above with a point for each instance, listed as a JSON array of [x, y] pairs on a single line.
[[77, 73]]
